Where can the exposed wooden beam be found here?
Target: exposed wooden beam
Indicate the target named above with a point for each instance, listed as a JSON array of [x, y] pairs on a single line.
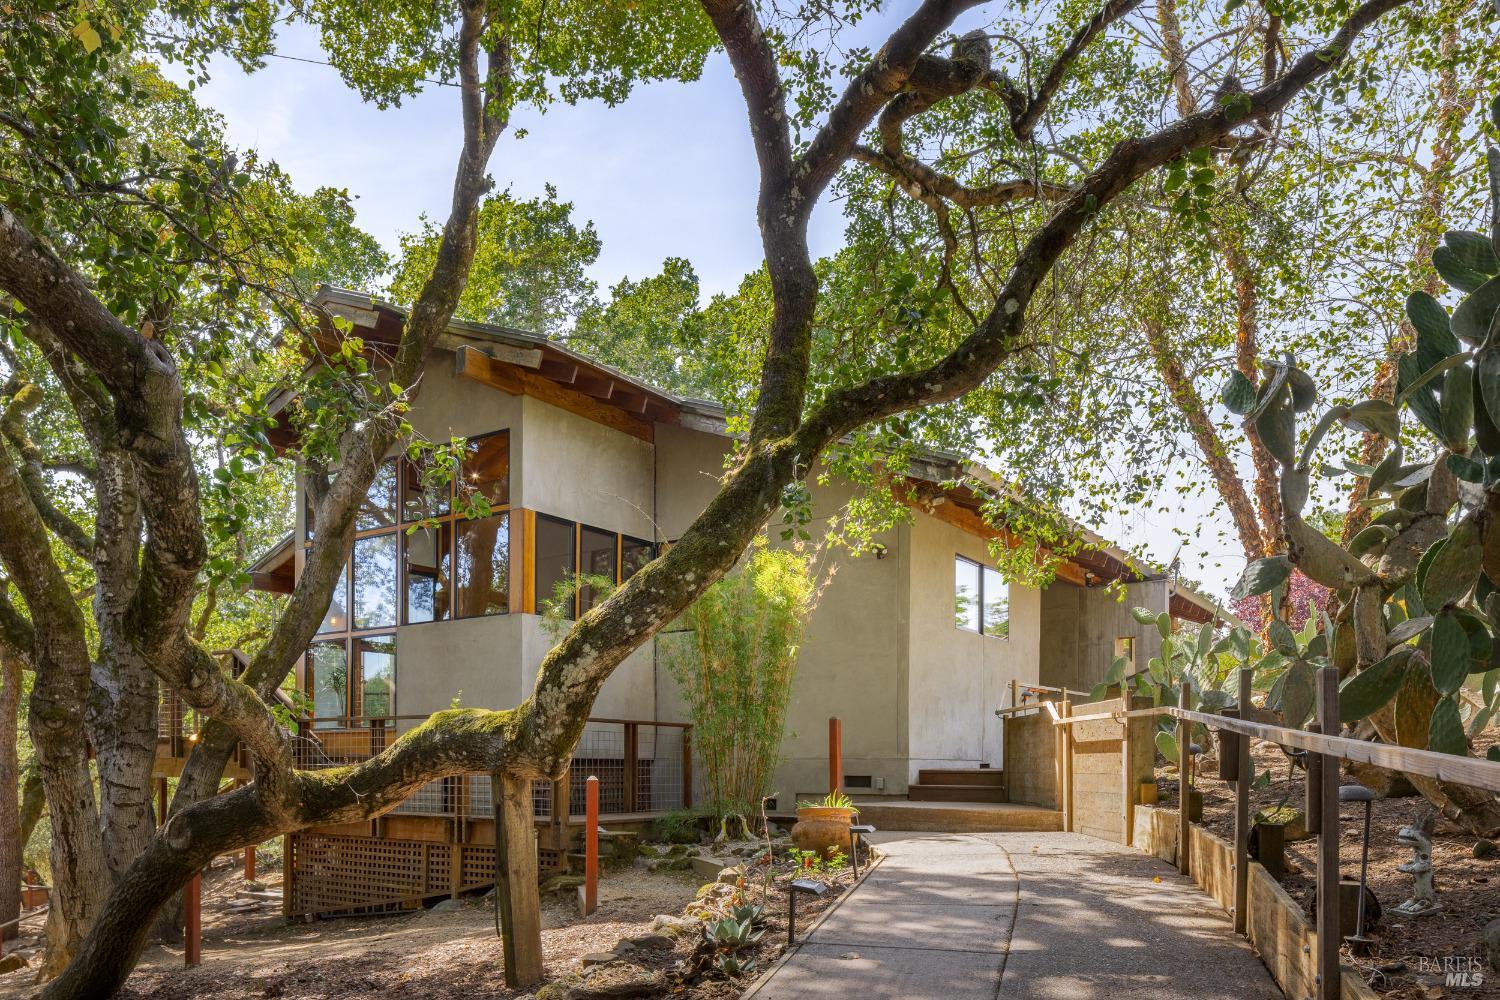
[[476, 365]]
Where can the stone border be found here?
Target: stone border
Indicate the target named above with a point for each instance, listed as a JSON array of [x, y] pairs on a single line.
[[1277, 929], [775, 966]]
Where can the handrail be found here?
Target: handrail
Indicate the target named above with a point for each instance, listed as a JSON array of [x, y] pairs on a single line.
[[1470, 771]]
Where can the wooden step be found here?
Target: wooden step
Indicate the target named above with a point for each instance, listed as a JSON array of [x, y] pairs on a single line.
[[955, 793], [957, 817], [988, 777]]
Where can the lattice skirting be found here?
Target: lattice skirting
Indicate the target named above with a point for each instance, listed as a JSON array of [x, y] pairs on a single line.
[[329, 874]]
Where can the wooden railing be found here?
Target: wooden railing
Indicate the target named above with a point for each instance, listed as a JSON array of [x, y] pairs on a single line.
[[1325, 750]]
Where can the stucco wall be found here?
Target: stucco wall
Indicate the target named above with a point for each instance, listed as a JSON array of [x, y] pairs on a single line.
[[1080, 626], [480, 657], [688, 466], [957, 678], [583, 471]]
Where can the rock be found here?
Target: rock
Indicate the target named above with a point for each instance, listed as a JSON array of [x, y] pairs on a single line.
[[12, 963], [652, 942], [1492, 944], [597, 958], [552, 991], [678, 851], [731, 875], [253, 886], [561, 883], [622, 947], [706, 867], [673, 926], [648, 850], [448, 906], [1485, 848]]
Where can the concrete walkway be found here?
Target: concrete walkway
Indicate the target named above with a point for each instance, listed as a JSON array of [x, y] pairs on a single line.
[[1040, 916]]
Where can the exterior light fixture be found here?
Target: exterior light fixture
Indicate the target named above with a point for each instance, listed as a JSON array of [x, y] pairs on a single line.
[[1358, 943], [855, 831], [811, 888]]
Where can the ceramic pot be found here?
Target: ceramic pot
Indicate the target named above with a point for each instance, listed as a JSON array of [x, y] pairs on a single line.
[[818, 828]]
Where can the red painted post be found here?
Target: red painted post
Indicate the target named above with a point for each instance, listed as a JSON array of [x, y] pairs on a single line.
[[591, 847], [192, 953], [835, 754], [249, 851]]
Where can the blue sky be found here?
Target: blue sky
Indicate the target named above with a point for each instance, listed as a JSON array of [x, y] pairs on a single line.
[[669, 173]]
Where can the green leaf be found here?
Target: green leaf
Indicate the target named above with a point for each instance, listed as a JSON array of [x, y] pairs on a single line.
[[1445, 733], [1282, 638], [1277, 427], [1261, 576], [1371, 689], [1407, 629], [1420, 398], [1430, 320], [1465, 468], [1299, 692], [1450, 654], [1471, 320], [1166, 744], [1473, 249], [1457, 411], [1453, 569], [85, 33], [1375, 415], [1456, 270], [1143, 615], [1164, 625], [1238, 394], [1369, 538]]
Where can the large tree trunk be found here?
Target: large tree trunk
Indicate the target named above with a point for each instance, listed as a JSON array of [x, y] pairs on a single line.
[[12, 844]]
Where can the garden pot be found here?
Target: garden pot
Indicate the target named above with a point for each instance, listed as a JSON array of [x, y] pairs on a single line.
[[1148, 793], [33, 895], [819, 828]]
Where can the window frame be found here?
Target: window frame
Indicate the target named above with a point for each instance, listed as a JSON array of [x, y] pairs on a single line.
[[979, 602], [654, 549]]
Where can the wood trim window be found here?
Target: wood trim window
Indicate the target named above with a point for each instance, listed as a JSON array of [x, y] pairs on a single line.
[[563, 550], [414, 559], [981, 599]]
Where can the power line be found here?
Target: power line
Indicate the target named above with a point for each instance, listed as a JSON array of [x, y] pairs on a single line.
[[163, 36]]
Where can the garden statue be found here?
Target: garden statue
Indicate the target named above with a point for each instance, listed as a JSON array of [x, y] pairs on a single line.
[[1423, 896]]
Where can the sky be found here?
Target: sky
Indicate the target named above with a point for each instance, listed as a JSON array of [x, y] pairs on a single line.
[[671, 172]]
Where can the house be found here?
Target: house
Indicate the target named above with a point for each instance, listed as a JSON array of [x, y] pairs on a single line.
[[914, 646]]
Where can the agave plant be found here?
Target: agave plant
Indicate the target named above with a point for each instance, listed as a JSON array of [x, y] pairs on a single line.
[[1416, 590], [730, 935]]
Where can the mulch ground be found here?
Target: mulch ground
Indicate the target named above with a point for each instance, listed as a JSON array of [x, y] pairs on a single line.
[[1409, 956]]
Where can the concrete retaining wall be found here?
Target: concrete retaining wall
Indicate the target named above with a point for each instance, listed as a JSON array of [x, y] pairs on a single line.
[[1031, 760], [1277, 928]]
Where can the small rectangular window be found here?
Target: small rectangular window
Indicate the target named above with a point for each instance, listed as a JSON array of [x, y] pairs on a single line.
[[378, 509], [483, 566], [337, 618], [376, 663], [486, 468], [966, 594], [597, 549], [375, 581], [634, 553], [328, 676], [555, 558], [429, 584], [421, 500], [996, 594]]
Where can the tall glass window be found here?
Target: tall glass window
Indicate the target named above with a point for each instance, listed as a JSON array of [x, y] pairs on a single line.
[[556, 556], [328, 679], [483, 578], [429, 582], [966, 594], [598, 555], [996, 593], [375, 657], [981, 599]]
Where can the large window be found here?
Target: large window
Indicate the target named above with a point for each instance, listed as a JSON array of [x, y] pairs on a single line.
[[565, 548], [457, 567], [981, 599], [415, 559]]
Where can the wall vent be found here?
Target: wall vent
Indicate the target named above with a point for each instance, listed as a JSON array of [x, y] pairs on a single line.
[[858, 781]]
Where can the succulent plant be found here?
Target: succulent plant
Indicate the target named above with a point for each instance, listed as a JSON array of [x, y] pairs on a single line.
[[1417, 591]]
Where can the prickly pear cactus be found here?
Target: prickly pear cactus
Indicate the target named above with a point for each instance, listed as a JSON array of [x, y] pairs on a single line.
[[1418, 589]]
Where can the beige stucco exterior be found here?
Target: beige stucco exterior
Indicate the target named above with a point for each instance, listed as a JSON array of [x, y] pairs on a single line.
[[882, 652]]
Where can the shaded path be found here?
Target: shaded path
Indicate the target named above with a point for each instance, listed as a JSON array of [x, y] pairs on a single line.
[[1040, 916]]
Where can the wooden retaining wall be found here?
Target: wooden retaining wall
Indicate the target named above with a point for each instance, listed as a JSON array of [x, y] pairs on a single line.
[[1277, 928]]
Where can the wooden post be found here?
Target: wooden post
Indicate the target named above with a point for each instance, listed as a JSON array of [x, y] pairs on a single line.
[[516, 893], [250, 848], [1060, 778], [1067, 712], [192, 919], [1312, 810], [1329, 936], [591, 847], [1246, 772], [835, 754], [632, 768], [161, 800], [1127, 777], [687, 768], [1184, 782]]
